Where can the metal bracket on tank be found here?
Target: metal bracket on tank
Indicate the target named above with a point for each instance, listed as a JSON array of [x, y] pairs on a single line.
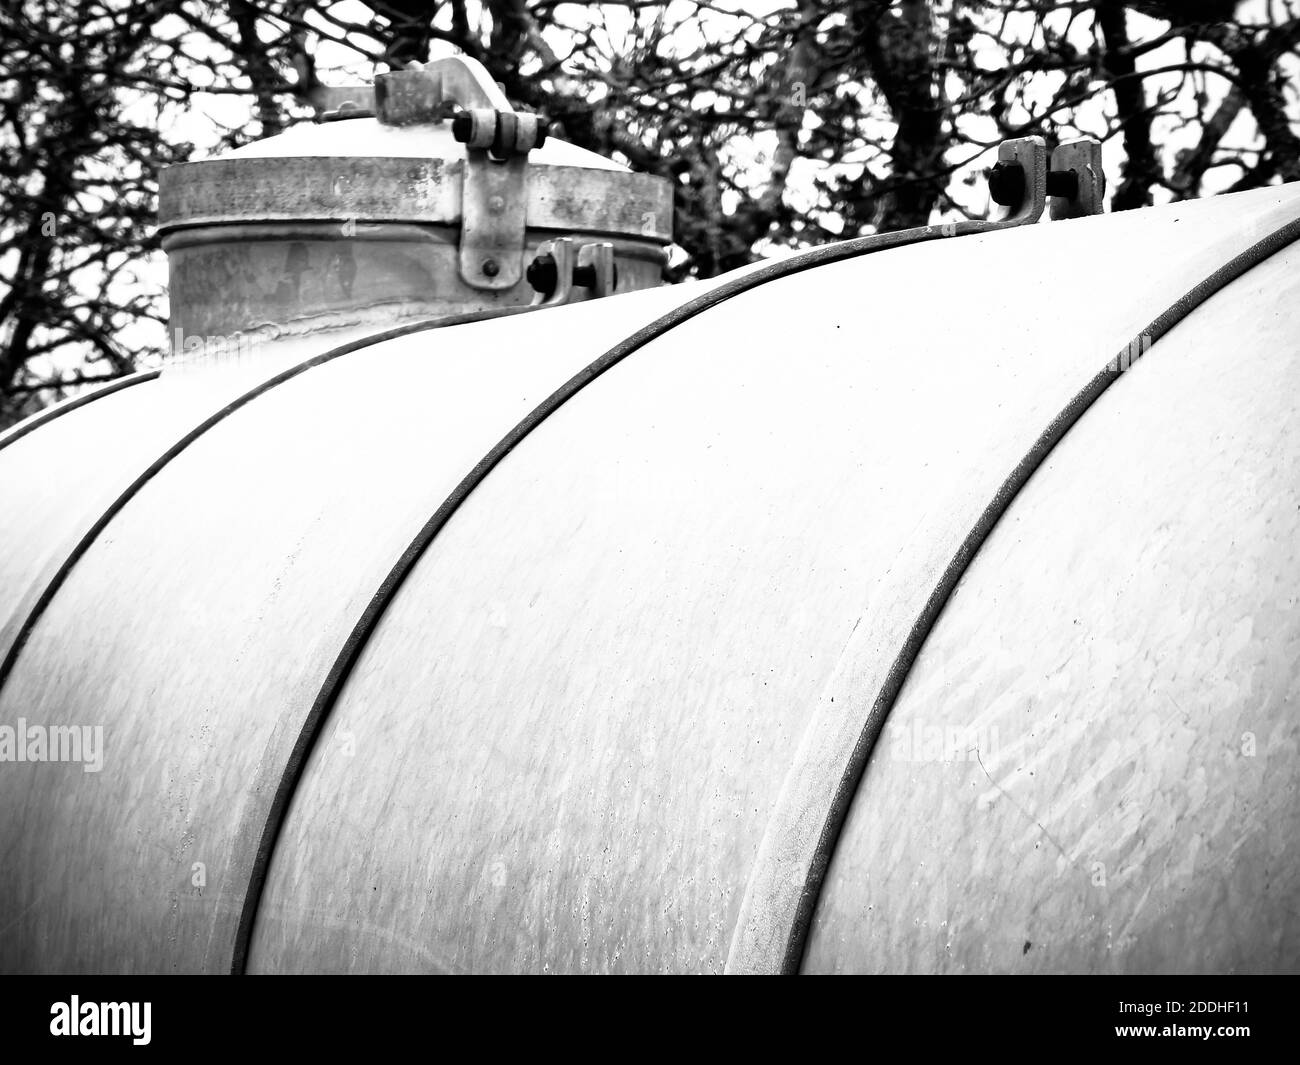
[[497, 139], [1022, 180], [556, 271], [1076, 182], [495, 193], [1018, 181]]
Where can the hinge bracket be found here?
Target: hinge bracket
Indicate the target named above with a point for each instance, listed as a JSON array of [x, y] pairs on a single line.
[[497, 139]]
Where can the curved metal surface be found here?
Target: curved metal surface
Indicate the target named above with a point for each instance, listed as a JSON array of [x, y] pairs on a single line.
[[57, 410], [211, 396], [336, 188], [727, 287], [48, 481], [794, 842], [223, 279], [228, 583], [1092, 764], [477, 697], [57, 482]]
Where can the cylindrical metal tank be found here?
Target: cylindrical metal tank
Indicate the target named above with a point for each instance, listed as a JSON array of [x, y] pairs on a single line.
[[928, 608]]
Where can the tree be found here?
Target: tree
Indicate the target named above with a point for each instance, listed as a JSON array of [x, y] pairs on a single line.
[[811, 121]]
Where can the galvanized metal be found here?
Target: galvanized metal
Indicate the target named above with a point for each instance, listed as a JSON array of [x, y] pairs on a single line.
[[1024, 162], [222, 224], [157, 853], [557, 924], [412, 174], [1092, 764], [414, 95], [370, 198], [563, 274], [494, 225], [804, 831], [339, 189], [302, 278], [1080, 161], [593, 728], [68, 474], [56, 410]]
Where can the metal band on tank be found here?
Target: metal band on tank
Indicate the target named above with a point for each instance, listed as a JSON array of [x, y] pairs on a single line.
[[807, 897], [801, 904], [387, 591], [57, 410], [83, 544]]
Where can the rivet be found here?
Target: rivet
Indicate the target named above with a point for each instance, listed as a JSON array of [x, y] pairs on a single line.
[[490, 268]]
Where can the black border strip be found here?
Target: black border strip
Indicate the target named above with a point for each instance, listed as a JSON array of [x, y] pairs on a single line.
[[57, 410], [88, 538], [313, 724], [974, 540]]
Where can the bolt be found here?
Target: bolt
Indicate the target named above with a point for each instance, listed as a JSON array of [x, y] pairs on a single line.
[[543, 273], [1007, 184], [462, 126], [490, 268], [585, 276], [1063, 183]]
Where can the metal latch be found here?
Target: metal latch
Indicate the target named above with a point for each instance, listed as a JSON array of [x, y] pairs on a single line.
[[494, 200], [557, 271], [1076, 182], [1021, 180], [497, 139]]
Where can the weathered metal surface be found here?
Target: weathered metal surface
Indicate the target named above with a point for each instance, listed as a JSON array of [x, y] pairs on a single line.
[[329, 188], [340, 189], [738, 283], [302, 277], [493, 226], [1092, 765], [309, 243], [561, 273], [379, 195], [1033, 398], [1024, 162], [587, 732], [566, 737], [196, 628], [58, 481], [1085, 192], [406, 97], [47, 483]]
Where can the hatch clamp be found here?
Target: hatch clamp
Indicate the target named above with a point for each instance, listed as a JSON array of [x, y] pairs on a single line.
[[1022, 180], [556, 273], [497, 139]]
